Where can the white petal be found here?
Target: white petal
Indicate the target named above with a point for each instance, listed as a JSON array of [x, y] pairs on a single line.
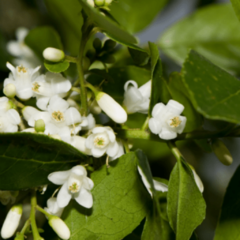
[[111, 135], [119, 153], [175, 107], [159, 110], [99, 130], [45, 116], [42, 102], [21, 33], [167, 134], [14, 49], [13, 116], [145, 89], [10, 128], [79, 170], [89, 141], [57, 104], [135, 85], [79, 143], [25, 92], [159, 186], [85, 198], [64, 197], [112, 149], [154, 125], [72, 116], [97, 152], [65, 134], [182, 125], [88, 184], [11, 68], [31, 130], [28, 112], [59, 178], [8, 81]]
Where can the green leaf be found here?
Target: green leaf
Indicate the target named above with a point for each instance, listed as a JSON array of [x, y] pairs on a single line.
[[69, 20], [5, 56], [159, 92], [26, 159], [236, 6], [186, 206], [113, 30], [135, 16], [43, 37], [228, 225], [213, 92], [120, 203], [216, 38], [179, 93], [56, 67], [139, 57]]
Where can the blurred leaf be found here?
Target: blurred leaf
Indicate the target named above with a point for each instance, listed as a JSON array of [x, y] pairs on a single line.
[[68, 18], [4, 55], [113, 30], [120, 203], [236, 6], [139, 57], [213, 31], [56, 67], [213, 92], [186, 206], [136, 15], [228, 225], [40, 38], [179, 93], [26, 159]]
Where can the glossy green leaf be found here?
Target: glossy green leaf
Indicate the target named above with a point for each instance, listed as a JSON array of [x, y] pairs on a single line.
[[213, 31], [56, 67], [213, 92], [26, 159], [228, 225], [179, 93], [120, 203], [68, 18], [43, 37], [236, 6], [136, 15], [109, 27], [159, 92], [186, 206]]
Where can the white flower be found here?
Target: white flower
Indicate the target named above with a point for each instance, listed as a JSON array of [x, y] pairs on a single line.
[[120, 151], [111, 107], [80, 143], [158, 186], [60, 227], [75, 184], [11, 221], [22, 79], [166, 120], [53, 54], [101, 141], [53, 208], [49, 85], [137, 99]]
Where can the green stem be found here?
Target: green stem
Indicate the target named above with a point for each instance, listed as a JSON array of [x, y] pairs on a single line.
[[71, 59], [25, 227], [90, 86], [43, 211], [145, 125], [35, 232], [172, 146]]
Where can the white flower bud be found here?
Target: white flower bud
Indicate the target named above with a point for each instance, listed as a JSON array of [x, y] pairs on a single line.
[[10, 90], [91, 2], [59, 226], [111, 107], [11, 222], [39, 125], [53, 54]]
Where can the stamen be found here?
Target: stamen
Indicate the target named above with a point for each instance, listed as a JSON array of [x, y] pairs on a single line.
[[74, 188], [35, 87], [58, 116], [175, 122], [21, 69], [99, 142]]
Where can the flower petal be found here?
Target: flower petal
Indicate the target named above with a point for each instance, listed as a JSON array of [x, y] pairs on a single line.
[[154, 125], [167, 134], [112, 149], [42, 102], [79, 170], [159, 110], [85, 198], [145, 89], [64, 197], [97, 152], [175, 107], [80, 143], [13, 116], [135, 85], [72, 116], [59, 177]]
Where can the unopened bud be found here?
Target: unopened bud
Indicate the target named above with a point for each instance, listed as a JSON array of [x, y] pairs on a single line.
[[97, 44], [99, 3], [39, 125], [10, 90], [109, 45], [91, 2], [111, 107], [11, 221], [53, 54], [221, 152], [107, 58], [108, 2], [91, 53], [60, 228]]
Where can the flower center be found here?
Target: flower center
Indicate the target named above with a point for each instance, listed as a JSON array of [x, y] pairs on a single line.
[[58, 116], [74, 188], [21, 69], [35, 87], [175, 122], [100, 141]]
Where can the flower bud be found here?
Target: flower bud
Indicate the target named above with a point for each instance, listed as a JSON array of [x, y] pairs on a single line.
[[221, 152], [91, 53], [109, 45], [10, 90], [108, 2], [60, 228], [99, 3], [91, 3], [11, 222], [53, 54], [97, 44], [39, 125], [111, 107]]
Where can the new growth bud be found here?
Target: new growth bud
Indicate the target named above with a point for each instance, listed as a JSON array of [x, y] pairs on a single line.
[[10, 90], [39, 125], [111, 107], [60, 228], [11, 222], [53, 54], [221, 152]]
